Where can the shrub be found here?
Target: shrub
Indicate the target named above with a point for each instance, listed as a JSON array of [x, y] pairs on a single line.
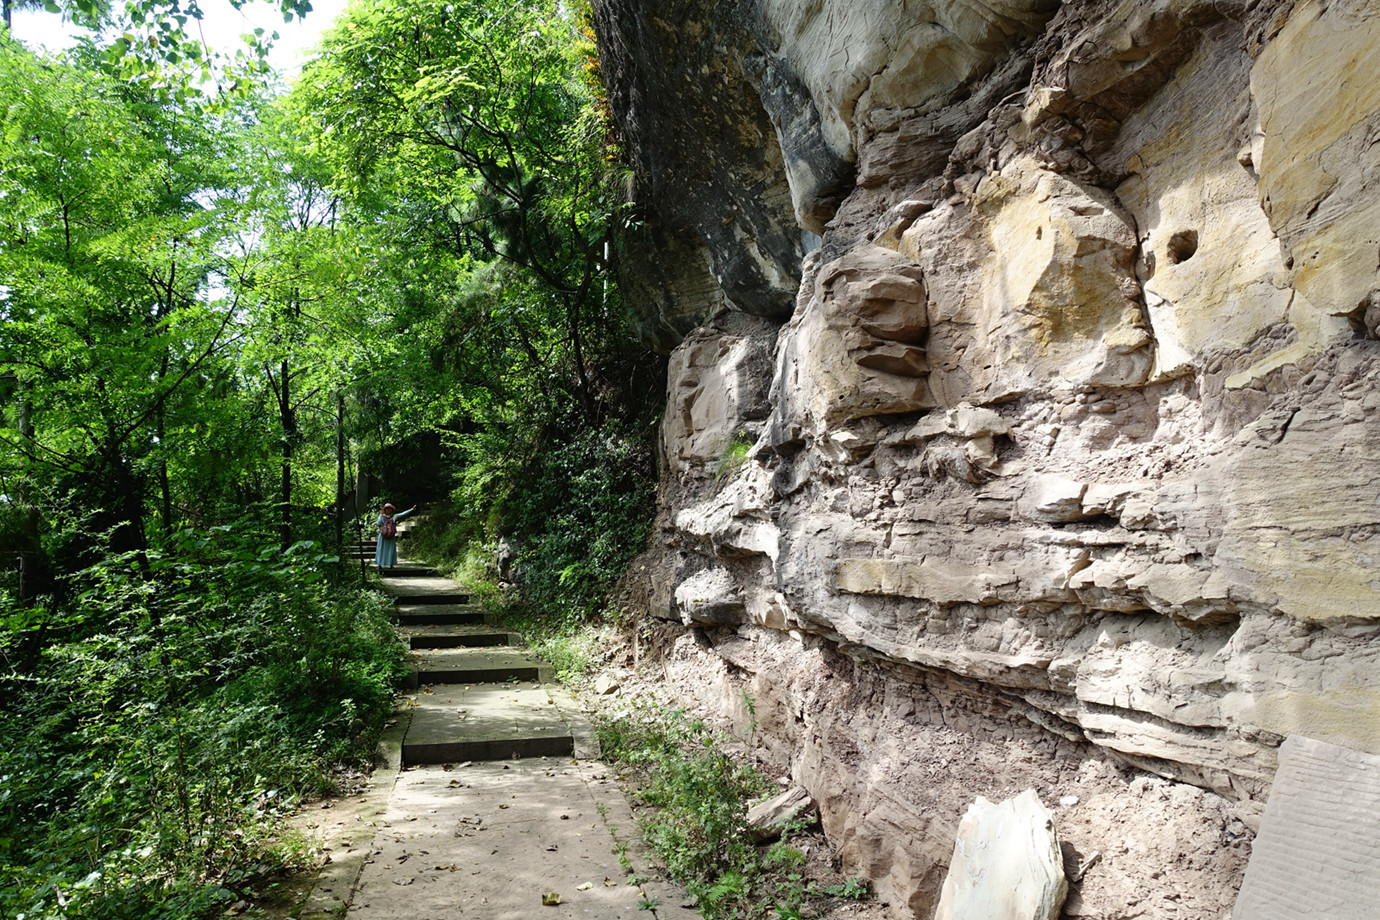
[[583, 511], [179, 703]]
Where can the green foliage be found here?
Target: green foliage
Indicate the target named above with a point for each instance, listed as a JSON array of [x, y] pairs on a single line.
[[160, 47], [469, 136], [582, 514], [476, 123], [176, 708], [784, 855], [697, 826], [575, 517], [732, 458], [201, 292], [115, 210]]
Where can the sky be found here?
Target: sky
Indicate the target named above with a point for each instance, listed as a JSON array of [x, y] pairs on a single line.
[[221, 28]]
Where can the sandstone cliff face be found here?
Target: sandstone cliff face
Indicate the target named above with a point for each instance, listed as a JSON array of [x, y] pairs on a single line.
[[1053, 330]]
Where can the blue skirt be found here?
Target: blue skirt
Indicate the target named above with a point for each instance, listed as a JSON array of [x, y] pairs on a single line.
[[386, 550]]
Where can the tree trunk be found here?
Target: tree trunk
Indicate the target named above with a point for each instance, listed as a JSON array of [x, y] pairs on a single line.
[[289, 422], [127, 506], [25, 418], [340, 473], [572, 314], [164, 487]]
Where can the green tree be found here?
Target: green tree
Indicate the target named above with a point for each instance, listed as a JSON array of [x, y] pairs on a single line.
[[108, 248], [169, 684], [475, 116], [469, 136]]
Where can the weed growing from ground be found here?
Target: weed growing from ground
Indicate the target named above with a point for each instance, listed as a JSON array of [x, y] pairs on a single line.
[[853, 889], [697, 826]]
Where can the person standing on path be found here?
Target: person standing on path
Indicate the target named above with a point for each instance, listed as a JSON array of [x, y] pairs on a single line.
[[386, 552]]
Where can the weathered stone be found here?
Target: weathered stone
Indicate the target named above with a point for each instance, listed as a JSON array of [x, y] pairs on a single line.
[[1060, 292], [818, 174], [933, 581], [667, 282], [734, 522], [1319, 165], [698, 136], [718, 388], [710, 597], [1212, 271], [853, 351], [841, 722], [872, 56], [1053, 499], [1006, 864], [763, 103]]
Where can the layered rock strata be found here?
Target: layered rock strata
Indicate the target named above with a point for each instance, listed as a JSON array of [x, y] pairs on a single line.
[[1036, 354]]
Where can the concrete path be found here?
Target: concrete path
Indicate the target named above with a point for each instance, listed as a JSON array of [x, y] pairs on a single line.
[[496, 807]]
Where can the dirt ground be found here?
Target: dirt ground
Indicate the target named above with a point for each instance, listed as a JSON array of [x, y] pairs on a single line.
[[900, 758]]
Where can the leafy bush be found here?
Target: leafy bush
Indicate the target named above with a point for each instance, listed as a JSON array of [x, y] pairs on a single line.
[[698, 823], [179, 703], [853, 889], [579, 515], [732, 457]]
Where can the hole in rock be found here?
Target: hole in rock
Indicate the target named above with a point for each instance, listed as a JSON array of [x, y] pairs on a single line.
[[1182, 246]]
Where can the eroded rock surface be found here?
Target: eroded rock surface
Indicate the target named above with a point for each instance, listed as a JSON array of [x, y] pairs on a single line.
[[1062, 388]]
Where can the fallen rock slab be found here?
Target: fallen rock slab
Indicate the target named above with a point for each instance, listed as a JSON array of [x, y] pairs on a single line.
[[1318, 850], [766, 819], [1006, 864]]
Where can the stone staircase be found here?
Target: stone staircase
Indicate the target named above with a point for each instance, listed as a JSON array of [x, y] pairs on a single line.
[[479, 697], [491, 797]]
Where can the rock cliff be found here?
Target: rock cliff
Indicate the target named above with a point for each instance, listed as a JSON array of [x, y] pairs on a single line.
[[1021, 423]]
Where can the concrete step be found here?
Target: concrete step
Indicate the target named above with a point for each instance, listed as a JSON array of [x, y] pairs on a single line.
[[409, 570], [469, 723], [429, 600], [439, 615], [424, 589], [426, 637], [477, 666]]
